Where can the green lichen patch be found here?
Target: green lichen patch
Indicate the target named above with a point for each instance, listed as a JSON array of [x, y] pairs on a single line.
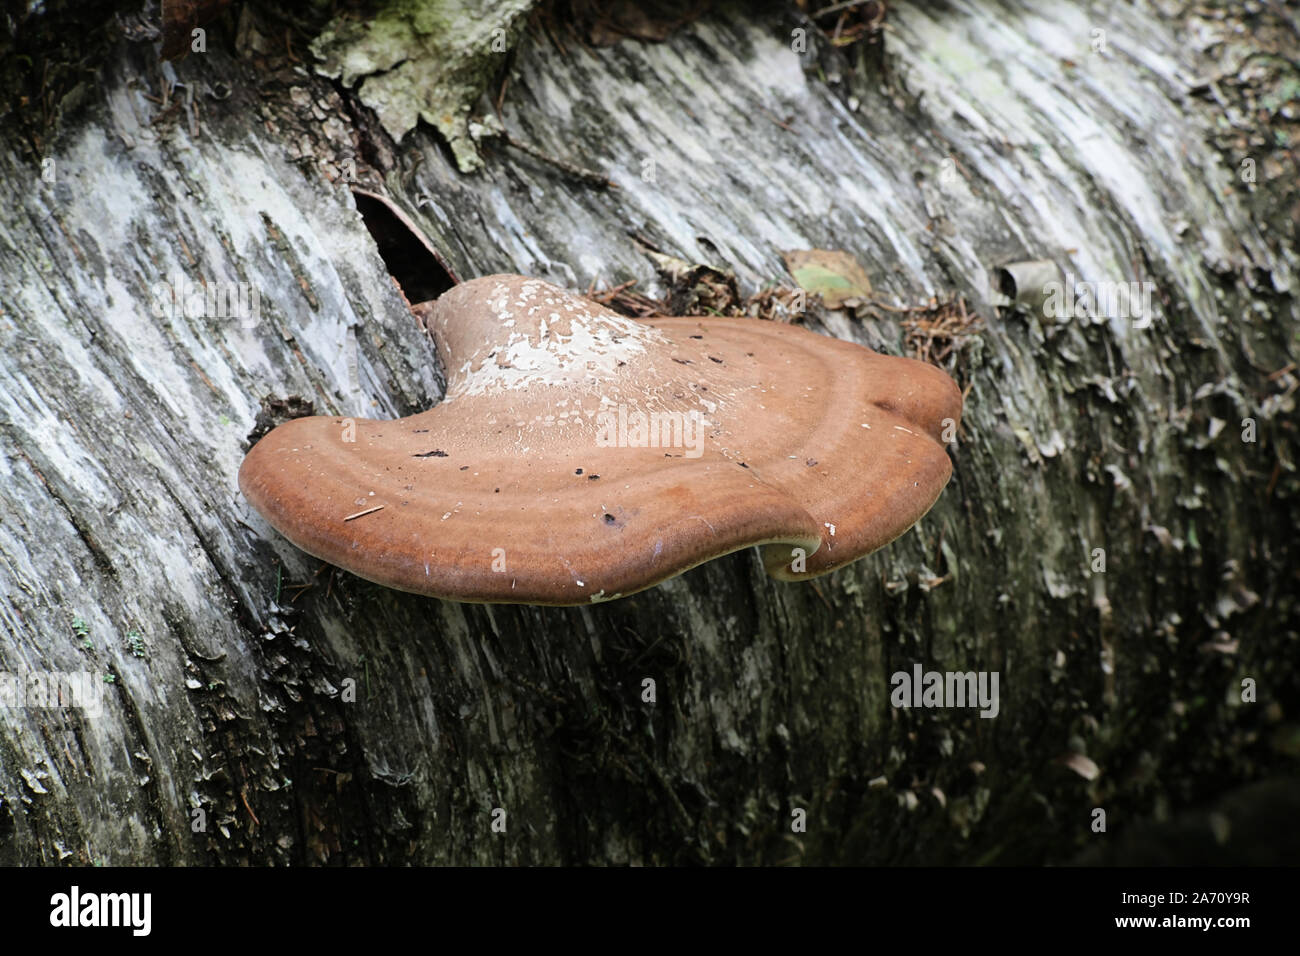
[[425, 60]]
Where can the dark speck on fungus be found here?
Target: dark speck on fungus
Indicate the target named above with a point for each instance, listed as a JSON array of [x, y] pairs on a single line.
[[538, 377]]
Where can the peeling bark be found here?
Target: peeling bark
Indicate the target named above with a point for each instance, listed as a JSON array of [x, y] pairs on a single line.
[[995, 134]]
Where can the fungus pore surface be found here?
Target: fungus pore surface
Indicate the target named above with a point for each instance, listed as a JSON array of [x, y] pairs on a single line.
[[580, 456]]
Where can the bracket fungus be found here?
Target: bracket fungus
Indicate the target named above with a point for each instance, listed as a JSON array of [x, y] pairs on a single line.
[[581, 456]]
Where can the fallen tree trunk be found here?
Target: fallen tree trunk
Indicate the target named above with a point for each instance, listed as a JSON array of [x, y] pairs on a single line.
[[1117, 542]]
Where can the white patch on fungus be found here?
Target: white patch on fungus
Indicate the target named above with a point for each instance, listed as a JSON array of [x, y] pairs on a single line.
[[581, 344]]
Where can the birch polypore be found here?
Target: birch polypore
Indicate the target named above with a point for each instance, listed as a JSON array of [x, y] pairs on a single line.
[[580, 456]]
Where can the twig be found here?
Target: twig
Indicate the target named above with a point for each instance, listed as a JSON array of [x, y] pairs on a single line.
[[1289, 367], [361, 514], [244, 796], [838, 7], [577, 172], [1272, 482], [501, 93], [890, 308], [777, 120]]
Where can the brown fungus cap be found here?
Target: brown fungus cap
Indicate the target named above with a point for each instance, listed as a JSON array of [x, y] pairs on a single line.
[[581, 456]]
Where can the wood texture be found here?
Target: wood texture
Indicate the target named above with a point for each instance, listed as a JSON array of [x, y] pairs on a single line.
[[122, 432]]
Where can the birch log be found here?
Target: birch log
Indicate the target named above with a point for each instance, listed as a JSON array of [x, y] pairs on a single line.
[[252, 706]]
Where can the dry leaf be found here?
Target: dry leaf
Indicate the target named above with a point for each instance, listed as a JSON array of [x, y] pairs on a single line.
[[834, 275]]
